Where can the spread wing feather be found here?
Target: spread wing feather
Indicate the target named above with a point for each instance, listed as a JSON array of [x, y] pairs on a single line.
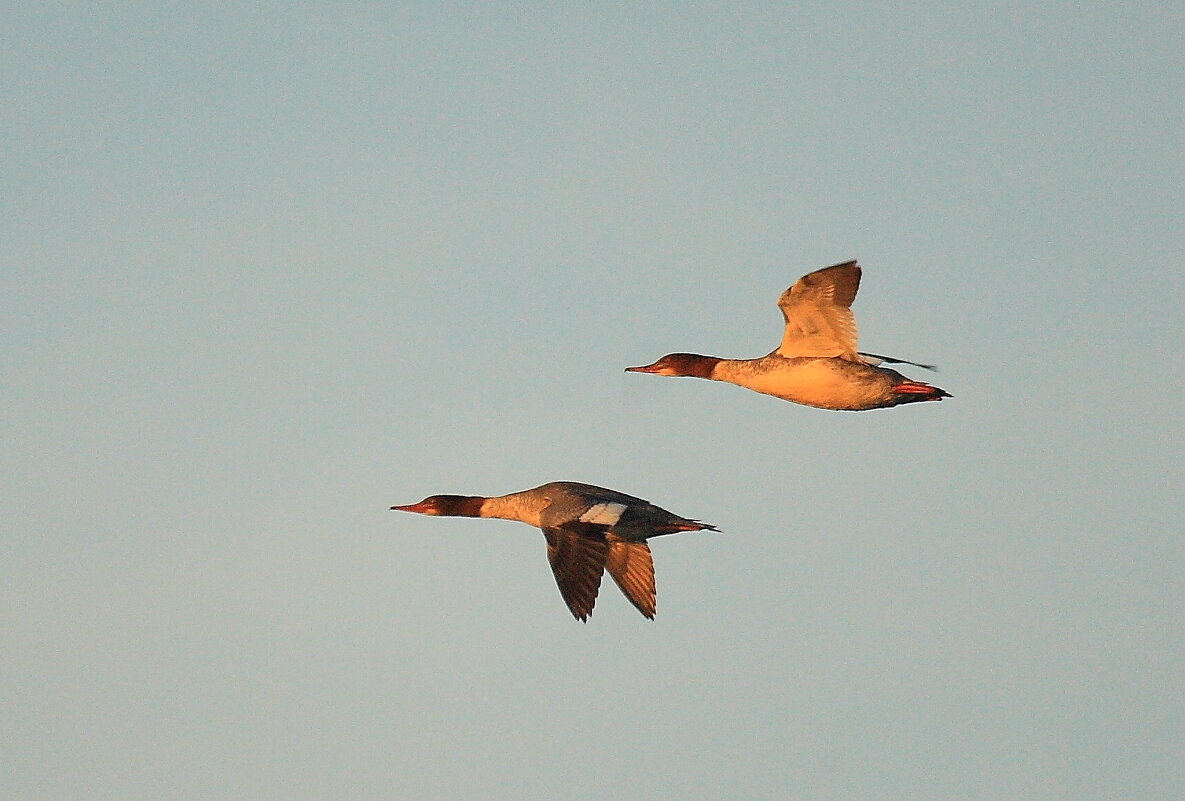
[[631, 566], [577, 560], [819, 320]]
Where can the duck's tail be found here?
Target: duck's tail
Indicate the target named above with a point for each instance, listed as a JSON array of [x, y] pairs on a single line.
[[915, 391]]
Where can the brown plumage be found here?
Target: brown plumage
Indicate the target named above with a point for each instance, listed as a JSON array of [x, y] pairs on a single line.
[[589, 530]]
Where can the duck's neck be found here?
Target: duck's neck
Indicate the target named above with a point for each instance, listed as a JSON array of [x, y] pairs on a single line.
[[515, 506], [732, 370]]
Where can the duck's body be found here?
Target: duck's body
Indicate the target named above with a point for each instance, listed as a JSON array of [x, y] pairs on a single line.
[[589, 530], [817, 363], [825, 382]]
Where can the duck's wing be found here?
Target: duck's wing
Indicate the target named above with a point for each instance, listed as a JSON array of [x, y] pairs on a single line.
[[819, 320], [577, 559], [631, 566]]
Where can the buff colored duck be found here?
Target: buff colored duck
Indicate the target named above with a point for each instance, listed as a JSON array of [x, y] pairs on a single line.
[[817, 363]]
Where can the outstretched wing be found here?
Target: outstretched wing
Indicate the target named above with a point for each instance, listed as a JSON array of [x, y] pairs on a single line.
[[577, 560], [630, 565], [819, 320]]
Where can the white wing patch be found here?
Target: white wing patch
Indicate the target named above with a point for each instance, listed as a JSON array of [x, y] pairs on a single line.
[[605, 514]]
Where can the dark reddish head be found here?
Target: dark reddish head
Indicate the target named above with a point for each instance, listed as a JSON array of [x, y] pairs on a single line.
[[691, 364], [445, 505]]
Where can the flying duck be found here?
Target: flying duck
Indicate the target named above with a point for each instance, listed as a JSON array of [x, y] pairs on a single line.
[[817, 363], [589, 530]]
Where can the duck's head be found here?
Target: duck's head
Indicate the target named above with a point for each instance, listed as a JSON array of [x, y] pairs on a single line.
[[447, 505], [691, 364]]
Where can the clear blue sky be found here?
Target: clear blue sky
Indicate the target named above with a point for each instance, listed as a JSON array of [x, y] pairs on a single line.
[[266, 271]]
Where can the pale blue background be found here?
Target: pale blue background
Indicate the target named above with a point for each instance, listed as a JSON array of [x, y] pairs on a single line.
[[268, 270]]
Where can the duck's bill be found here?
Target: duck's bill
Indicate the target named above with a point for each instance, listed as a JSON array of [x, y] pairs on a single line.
[[420, 508]]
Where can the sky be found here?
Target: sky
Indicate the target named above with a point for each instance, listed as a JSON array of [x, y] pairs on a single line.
[[267, 271]]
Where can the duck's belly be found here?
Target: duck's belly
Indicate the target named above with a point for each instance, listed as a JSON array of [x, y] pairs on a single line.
[[822, 383]]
